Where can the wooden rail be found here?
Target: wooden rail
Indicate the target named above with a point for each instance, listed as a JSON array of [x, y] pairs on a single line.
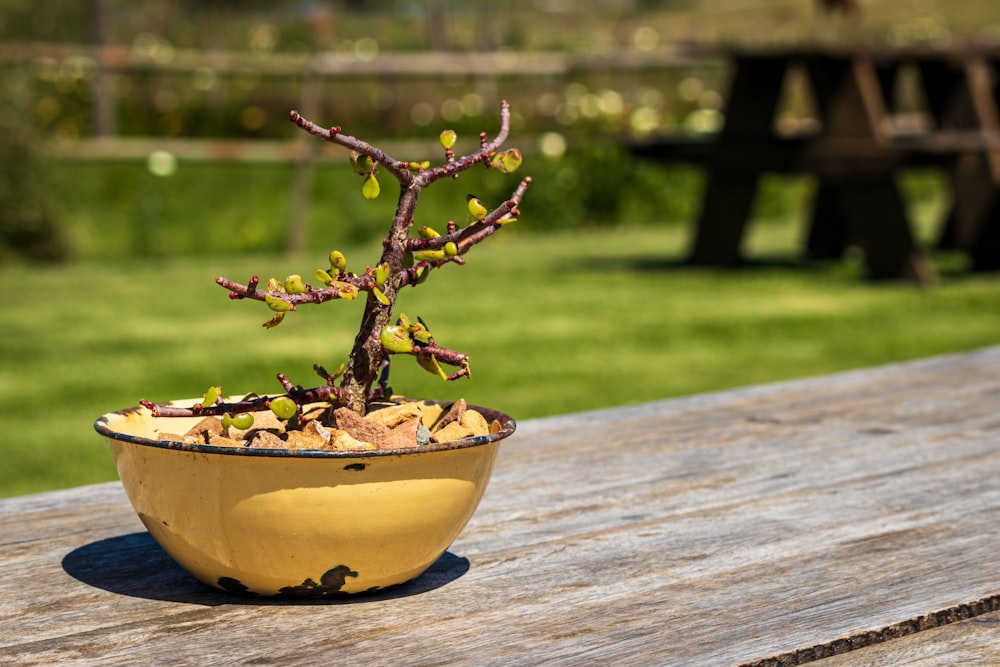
[[434, 64], [99, 63]]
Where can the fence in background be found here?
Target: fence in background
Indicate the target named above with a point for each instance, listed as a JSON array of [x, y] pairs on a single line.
[[104, 68]]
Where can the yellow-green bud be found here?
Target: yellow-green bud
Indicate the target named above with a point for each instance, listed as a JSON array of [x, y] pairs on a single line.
[[427, 233], [508, 161], [277, 305], [211, 396], [429, 255], [448, 138], [395, 340], [381, 273], [338, 263], [450, 249], [323, 276], [361, 164], [275, 286], [370, 189], [294, 284], [348, 292], [417, 167], [382, 298], [476, 208]]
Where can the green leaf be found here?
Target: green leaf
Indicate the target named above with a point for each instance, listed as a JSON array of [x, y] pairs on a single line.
[[431, 365], [243, 421], [274, 321], [283, 407]]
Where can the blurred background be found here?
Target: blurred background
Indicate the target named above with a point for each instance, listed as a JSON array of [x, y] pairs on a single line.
[[145, 148]]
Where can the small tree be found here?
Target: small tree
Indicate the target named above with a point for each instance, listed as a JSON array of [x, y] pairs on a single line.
[[407, 260]]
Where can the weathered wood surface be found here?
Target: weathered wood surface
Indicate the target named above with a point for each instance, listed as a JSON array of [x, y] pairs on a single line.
[[771, 525], [975, 641]]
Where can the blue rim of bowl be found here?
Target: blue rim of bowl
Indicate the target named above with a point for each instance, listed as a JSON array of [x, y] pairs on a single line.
[[507, 427]]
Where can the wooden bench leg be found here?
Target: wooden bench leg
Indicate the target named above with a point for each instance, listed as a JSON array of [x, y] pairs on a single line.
[[876, 217], [984, 248], [972, 225], [828, 236], [753, 97], [726, 208]]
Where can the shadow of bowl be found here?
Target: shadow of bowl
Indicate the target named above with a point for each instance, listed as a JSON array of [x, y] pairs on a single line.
[[135, 565]]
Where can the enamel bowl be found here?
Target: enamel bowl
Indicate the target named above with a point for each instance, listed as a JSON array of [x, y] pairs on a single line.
[[299, 523]]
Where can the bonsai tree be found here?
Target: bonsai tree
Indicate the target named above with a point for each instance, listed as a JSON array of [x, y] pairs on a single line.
[[409, 257]]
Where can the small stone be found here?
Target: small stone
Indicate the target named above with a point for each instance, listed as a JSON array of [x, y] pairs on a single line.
[[342, 440], [403, 436], [170, 437], [317, 430], [205, 429], [265, 440], [451, 432], [223, 441], [475, 422], [360, 428], [423, 436], [306, 440], [394, 414], [453, 414]]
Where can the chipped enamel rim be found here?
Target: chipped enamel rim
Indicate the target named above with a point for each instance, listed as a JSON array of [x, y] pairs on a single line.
[[105, 426]]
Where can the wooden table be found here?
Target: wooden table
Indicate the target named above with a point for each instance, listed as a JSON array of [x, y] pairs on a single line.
[[863, 140], [850, 519]]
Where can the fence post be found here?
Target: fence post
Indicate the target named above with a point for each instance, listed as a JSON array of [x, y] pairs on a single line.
[[305, 165], [104, 94]]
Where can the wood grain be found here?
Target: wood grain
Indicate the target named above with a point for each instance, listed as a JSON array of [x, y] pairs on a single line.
[[770, 525]]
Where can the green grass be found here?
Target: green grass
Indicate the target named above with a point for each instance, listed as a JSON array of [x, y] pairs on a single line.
[[554, 323]]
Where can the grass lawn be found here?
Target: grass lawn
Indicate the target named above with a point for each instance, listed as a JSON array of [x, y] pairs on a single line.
[[553, 323]]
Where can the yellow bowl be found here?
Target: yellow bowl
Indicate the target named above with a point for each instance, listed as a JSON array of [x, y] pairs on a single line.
[[299, 523]]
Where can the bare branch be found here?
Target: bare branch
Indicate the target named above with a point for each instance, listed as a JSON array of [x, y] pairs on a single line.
[[337, 290]]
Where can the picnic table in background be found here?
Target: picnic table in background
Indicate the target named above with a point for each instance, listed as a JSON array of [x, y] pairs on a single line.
[[850, 519], [855, 154]]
